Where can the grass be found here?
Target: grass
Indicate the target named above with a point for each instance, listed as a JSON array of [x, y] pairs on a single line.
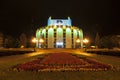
[[26, 75], [6, 74]]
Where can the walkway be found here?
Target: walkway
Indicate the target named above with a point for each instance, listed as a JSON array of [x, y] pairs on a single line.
[[107, 59]]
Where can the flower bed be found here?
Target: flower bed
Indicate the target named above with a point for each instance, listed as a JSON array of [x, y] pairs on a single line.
[[63, 61]]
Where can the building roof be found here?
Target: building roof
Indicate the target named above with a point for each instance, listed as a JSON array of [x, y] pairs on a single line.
[[55, 22]]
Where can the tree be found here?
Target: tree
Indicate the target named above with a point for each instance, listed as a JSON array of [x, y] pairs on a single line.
[[116, 40], [105, 42], [109, 41], [16, 43], [9, 42], [97, 40], [23, 40], [1, 39]]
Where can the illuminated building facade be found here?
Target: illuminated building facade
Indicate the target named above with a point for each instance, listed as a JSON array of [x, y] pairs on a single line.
[[59, 33]]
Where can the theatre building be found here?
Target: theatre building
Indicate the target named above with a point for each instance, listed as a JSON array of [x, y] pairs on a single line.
[[59, 33]]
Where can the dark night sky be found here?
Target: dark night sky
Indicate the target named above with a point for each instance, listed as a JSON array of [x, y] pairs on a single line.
[[92, 16]]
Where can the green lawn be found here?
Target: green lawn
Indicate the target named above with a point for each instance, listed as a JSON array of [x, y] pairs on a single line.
[[10, 61]]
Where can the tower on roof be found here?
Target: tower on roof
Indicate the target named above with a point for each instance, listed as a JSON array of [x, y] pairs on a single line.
[[55, 22]]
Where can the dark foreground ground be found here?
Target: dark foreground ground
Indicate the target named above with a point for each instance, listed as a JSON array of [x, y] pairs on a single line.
[[7, 62]]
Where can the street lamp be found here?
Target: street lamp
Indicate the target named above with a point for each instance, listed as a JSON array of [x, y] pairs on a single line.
[[34, 40], [78, 42], [41, 42], [85, 41]]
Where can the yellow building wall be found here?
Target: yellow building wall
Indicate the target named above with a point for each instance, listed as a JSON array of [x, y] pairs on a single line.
[[74, 37], [50, 38], [59, 35], [68, 38]]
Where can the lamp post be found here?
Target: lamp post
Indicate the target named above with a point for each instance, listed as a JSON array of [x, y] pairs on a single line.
[[78, 42], [85, 41], [41, 42], [34, 40]]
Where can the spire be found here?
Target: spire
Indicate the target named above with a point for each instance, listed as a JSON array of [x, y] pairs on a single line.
[[49, 21]]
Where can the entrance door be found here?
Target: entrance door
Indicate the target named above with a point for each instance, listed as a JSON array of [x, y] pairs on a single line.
[[59, 44]]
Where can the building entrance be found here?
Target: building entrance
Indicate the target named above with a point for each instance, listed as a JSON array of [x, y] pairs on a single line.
[[59, 45]]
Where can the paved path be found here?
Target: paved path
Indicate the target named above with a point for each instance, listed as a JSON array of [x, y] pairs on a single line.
[[41, 51], [13, 58]]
